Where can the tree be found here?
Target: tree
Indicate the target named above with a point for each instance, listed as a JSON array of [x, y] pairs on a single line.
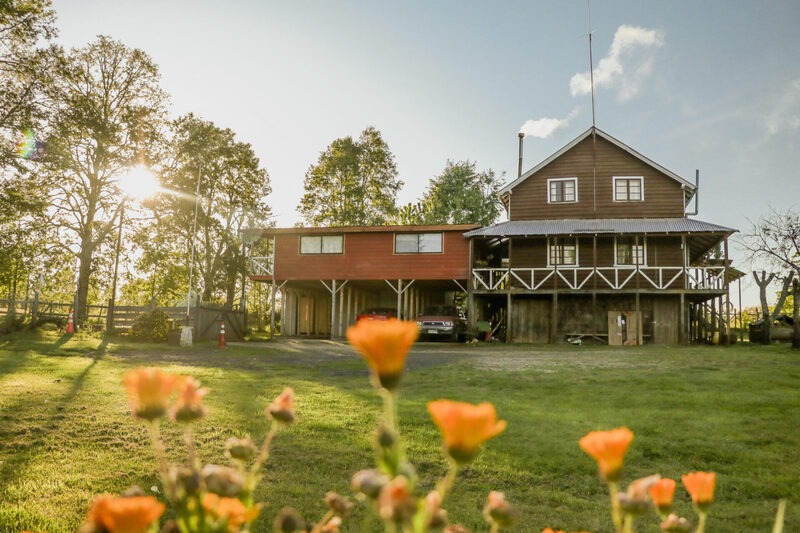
[[462, 195], [107, 111], [775, 241], [232, 189], [23, 23], [354, 183]]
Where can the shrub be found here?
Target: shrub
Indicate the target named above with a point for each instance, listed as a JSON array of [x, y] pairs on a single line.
[[153, 326]]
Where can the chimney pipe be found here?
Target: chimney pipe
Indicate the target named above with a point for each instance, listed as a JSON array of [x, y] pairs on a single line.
[[519, 169]]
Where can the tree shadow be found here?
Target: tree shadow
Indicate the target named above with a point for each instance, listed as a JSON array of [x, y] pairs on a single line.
[[63, 339]]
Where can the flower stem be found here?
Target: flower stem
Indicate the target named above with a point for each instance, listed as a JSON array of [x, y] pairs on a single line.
[[161, 457], [263, 454], [701, 524], [445, 485], [390, 410], [616, 516]]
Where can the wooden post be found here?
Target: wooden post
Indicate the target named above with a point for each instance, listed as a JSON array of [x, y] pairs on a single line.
[[333, 307], [727, 296], [594, 285]]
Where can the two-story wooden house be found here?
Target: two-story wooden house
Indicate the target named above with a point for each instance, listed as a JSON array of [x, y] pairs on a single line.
[[598, 245]]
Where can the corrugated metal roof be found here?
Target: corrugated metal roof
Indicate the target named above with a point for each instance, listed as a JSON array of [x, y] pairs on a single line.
[[591, 226]]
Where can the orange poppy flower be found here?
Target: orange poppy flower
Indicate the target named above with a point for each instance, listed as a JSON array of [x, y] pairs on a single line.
[[700, 486], [149, 391], [385, 345], [608, 449], [229, 510], [133, 514], [189, 405], [465, 427], [661, 492]]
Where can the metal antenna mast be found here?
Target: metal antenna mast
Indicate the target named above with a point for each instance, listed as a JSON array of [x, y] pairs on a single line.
[[591, 62]]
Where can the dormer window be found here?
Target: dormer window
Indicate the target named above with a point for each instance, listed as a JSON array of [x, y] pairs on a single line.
[[628, 189], [562, 190]]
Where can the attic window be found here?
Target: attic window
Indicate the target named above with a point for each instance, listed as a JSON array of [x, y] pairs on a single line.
[[628, 189], [562, 190]]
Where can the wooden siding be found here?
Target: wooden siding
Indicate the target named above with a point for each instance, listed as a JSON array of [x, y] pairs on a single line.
[[663, 196], [532, 252], [370, 256]]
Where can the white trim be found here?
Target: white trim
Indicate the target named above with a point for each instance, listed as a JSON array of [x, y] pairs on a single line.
[[642, 243], [640, 179], [558, 180]]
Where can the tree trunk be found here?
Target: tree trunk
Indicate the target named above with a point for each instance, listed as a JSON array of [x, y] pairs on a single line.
[[82, 293], [796, 314], [763, 282]]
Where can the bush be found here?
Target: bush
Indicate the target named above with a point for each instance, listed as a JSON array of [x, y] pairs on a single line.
[[153, 326]]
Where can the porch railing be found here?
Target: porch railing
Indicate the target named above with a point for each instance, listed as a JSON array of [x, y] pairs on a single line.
[[620, 277], [261, 266]]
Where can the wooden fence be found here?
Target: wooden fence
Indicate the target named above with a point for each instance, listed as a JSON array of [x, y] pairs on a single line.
[[206, 318]]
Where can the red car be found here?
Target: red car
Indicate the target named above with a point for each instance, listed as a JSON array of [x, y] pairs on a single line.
[[377, 313]]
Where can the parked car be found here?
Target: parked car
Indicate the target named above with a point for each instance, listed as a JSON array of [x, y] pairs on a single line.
[[377, 313], [443, 322]]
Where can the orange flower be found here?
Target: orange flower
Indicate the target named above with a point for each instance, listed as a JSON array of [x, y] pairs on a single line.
[[229, 510], [149, 391], [189, 406], [133, 514], [384, 344], [465, 427], [282, 409], [700, 486], [608, 449], [661, 492]]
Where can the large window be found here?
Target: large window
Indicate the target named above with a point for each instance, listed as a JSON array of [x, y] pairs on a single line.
[[562, 190], [563, 251], [418, 243], [630, 251], [321, 244], [629, 189]]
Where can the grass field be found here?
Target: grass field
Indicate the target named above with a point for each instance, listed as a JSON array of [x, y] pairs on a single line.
[[66, 433]]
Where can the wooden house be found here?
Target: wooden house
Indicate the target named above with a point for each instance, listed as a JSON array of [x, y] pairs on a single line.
[[598, 246], [328, 275]]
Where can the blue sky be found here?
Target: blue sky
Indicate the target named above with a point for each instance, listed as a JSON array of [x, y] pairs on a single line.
[[713, 85]]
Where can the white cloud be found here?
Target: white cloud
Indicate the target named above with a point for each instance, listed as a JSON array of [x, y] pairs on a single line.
[[628, 63], [785, 115], [545, 127]]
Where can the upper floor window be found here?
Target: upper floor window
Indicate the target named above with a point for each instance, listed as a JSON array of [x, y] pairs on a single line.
[[629, 189], [631, 251], [321, 244], [418, 243], [563, 251], [562, 190]]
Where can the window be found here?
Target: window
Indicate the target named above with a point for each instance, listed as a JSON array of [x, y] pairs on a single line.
[[321, 244], [562, 190], [418, 243], [629, 252], [563, 252], [629, 189]]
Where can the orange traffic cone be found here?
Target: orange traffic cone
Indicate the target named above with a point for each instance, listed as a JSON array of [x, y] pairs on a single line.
[[222, 342], [70, 322]]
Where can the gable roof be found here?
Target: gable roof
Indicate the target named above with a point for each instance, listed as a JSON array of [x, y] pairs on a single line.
[[689, 187]]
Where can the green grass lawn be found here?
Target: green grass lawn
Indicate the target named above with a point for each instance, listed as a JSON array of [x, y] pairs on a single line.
[[66, 433]]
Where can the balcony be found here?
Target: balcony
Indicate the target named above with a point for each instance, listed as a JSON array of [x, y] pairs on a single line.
[[600, 278]]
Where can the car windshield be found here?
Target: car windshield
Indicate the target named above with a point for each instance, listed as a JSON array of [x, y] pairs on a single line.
[[441, 310]]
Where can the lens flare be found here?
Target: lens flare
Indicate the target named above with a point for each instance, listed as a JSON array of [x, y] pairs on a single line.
[[27, 146]]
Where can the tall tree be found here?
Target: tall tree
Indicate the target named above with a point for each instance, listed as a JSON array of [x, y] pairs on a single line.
[[108, 109], [462, 195], [232, 189], [354, 183], [775, 242]]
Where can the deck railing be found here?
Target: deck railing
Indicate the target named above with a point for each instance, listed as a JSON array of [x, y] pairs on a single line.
[[619, 277], [261, 266]]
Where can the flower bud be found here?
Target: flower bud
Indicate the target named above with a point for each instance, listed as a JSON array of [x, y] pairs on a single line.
[[631, 505], [338, 504], [395, 503], [498, 511], [386, 437], [676, 524], [189, 406], [437, 517], [282, 409], [288, 520], [369, 482], [240, 449], [332, 525], [185, 479], [455, 528], [222, 480]]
